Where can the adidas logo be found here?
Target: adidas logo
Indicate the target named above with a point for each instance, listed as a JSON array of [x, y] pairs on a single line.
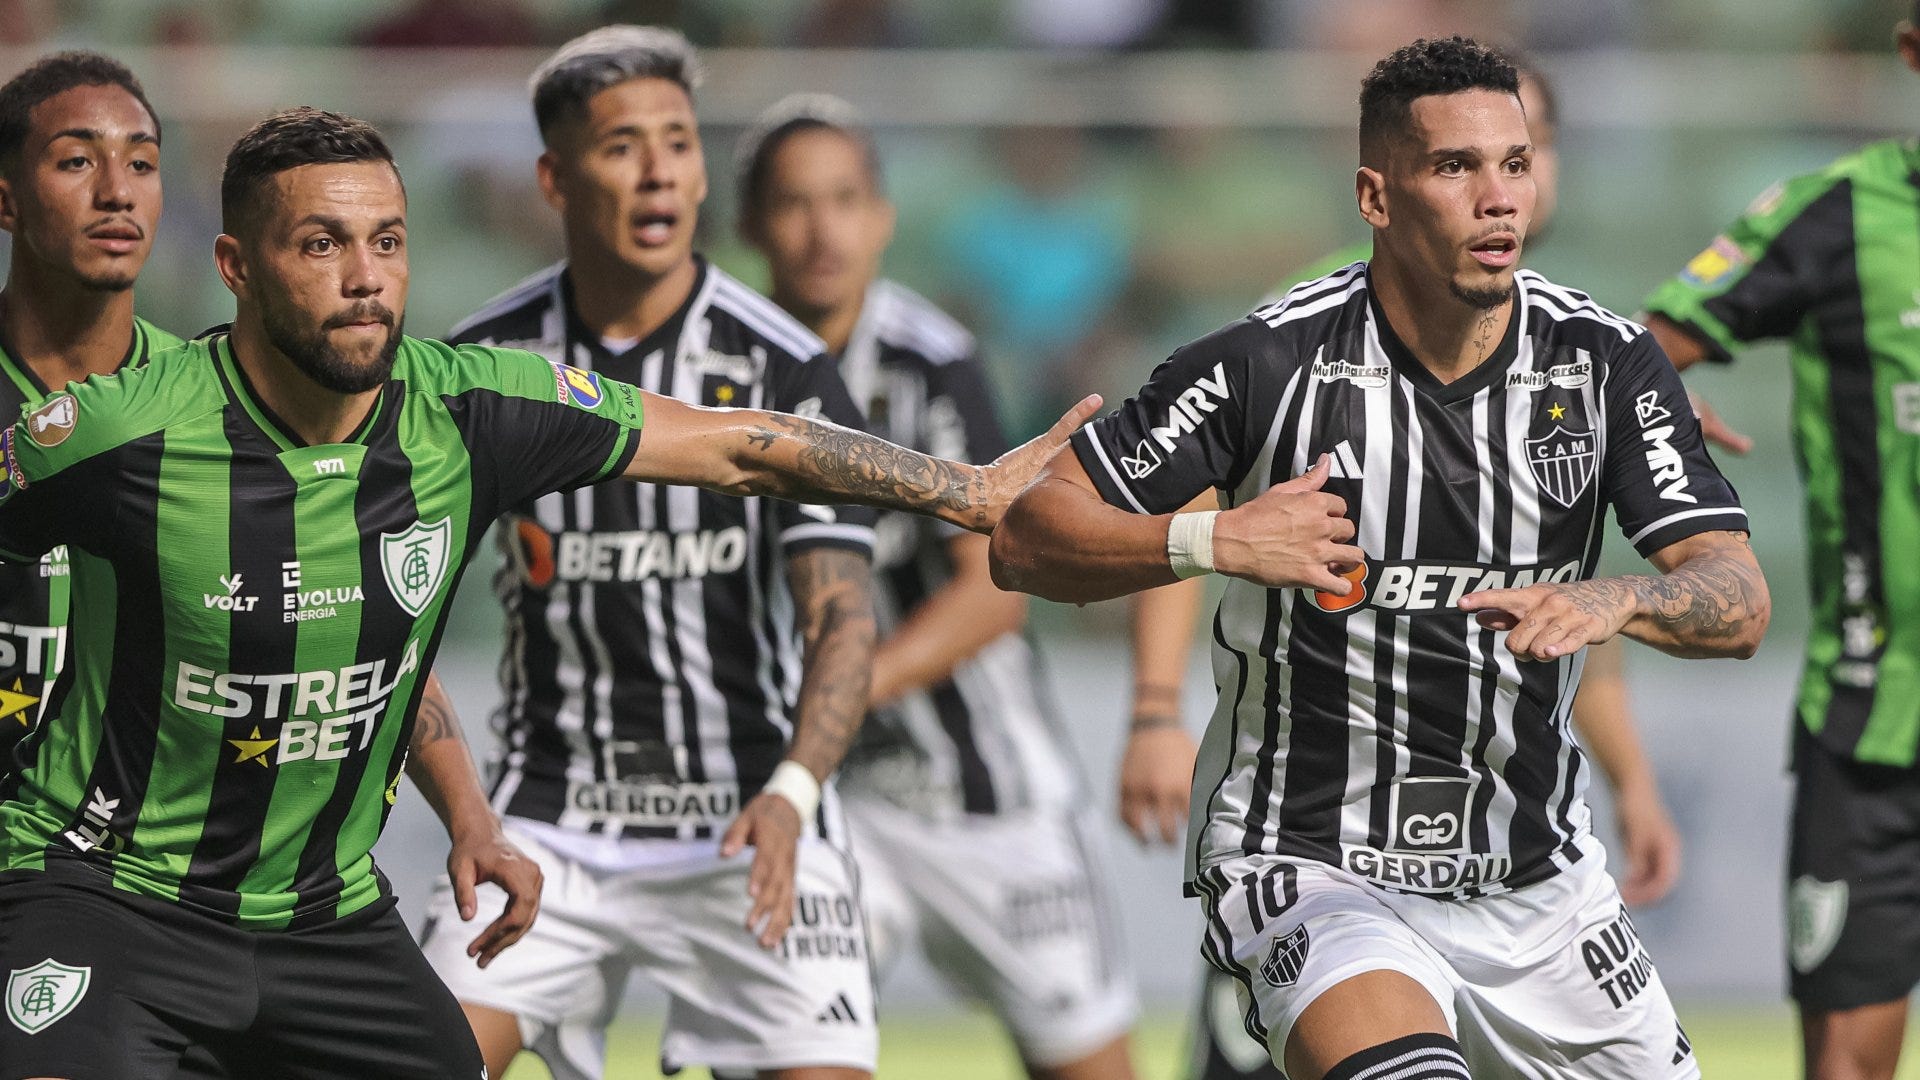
[[839, 1011], [1346, 463]]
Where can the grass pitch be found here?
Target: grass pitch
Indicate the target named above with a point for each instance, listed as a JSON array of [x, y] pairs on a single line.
[[1757, 1043]]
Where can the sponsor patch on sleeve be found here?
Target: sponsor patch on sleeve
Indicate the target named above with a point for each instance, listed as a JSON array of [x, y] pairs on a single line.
[[11, 478], [1716, 264], [51, 423], [576, 387]]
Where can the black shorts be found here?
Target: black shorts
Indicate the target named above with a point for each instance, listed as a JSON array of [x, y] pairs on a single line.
[[1853, 880], [106, 985]]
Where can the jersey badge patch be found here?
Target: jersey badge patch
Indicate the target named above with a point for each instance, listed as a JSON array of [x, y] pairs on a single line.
[[1563, 463], [1716, 264], [1816, 913], [577, 387], [1286, 958], [415, 563], [37, 996], [51, 423], [11, 478]]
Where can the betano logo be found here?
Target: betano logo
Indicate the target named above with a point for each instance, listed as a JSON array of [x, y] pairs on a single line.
[[1414, 587]]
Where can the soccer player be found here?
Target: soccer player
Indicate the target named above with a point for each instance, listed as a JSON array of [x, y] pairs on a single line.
[[80, 194], [667, 649], [1650, 844], [1388, 831], [184, 855], [966, 811], [1827, 260]]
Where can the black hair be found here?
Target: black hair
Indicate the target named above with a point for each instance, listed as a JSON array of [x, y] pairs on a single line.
[[1428, 66], [604, 58], [790, 116], [288, 140], [56, 74]]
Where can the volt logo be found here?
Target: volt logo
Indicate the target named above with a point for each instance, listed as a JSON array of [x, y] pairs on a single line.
[[230, 600]]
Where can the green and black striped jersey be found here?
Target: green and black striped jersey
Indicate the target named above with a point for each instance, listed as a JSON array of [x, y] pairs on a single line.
[[1831, 262], [34, 596], [253, 618]]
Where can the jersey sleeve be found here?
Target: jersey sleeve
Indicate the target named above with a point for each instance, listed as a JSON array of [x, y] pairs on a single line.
[[1663, 485], [1184, 432], [535, 426], [1758, 280], [815, 390]]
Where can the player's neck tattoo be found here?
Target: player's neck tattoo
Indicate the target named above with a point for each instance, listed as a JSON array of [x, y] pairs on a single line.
[[1485, 335]]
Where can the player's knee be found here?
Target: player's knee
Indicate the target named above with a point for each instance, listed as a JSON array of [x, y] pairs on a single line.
[[1430, 1056]]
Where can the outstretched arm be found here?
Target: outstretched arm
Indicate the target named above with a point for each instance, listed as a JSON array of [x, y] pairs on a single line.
[[1708, 600], [1062, 541], [440, 766], [749, 452]]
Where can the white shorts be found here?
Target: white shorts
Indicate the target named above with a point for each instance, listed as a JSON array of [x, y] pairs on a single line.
[[733, 1005], [1011, 909], [1549, 981]]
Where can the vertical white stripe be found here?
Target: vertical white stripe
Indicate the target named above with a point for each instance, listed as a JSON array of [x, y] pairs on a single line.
[[1364, 627], [1525, 488], [1478, 659]]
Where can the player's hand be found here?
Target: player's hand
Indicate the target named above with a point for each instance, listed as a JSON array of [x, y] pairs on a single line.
[[487, 855], [1546, 622], [771, 826], [1011, 472], [1156, 781], [1652, 845], [1293, 535], [1716, 430]]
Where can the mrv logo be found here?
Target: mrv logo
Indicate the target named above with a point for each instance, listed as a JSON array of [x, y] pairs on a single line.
[[1422, 587], [1184, 417], [1668, 468]]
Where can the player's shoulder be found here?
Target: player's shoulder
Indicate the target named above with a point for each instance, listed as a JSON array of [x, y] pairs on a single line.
[[1312, 306], [1559, 315], [104, 412], [905, 321], [153, 339], [740, 319], [529, 313]]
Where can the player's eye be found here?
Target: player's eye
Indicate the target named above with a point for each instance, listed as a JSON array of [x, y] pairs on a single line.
[[320, 245], [1519, 167], [69, 164], [1452, 167], [387, 245], [619, 149]]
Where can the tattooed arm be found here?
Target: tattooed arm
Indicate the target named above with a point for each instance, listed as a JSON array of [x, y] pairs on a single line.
[[748, 452], [833, 602], [439, 765], [1709, 599]]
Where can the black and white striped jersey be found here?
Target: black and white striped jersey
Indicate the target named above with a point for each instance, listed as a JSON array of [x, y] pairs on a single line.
[[1385, 731], [982, 741], [651, 664]]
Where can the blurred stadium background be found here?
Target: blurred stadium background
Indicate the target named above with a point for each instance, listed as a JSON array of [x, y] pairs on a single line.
[[1091, 182]]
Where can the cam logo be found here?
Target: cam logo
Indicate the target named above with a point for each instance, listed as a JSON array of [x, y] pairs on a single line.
[[50, 424], [415, 562], [40, 995], [577, 387], [1563, 463], [1286, 958], [1816, 913]]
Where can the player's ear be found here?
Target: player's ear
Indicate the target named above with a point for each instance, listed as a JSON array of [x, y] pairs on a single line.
[[9, 208], [546, 170], [1370, 192], [229, 258], [1907, 37]]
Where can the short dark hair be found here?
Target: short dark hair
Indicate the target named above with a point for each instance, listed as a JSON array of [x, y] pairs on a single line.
[[790, 116], [599, 59], [288, 140], [1428, 66], [56, 74]]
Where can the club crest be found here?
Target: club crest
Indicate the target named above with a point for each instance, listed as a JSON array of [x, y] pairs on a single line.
[[39, 995], [1816, 913], [1288, 956], [415, 563], [1563, 463]]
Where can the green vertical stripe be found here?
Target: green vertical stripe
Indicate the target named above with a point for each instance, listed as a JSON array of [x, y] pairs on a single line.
[[195, 501], [1887, 235], [1814, 446], [327, 538], [59, 604]]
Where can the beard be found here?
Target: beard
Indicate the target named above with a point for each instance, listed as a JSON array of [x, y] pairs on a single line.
[[313, 352], [111, 282], [1481, 297]]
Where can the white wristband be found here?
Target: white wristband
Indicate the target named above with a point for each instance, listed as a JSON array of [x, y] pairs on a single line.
[[794, 782], [1190, 543]]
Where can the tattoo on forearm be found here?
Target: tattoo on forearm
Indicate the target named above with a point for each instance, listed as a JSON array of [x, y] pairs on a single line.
[[851, 466], [1706, 600], [832, 592], [435, 721]]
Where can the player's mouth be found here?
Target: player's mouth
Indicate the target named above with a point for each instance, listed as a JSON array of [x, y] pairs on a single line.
[[654, 228], [116, 237], [1496, 252], [363, 319]]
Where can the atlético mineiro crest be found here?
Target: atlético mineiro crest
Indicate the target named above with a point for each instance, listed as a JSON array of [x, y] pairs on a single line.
[[1563, 462], [415, 563], [1287, 957], [39, 995]]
